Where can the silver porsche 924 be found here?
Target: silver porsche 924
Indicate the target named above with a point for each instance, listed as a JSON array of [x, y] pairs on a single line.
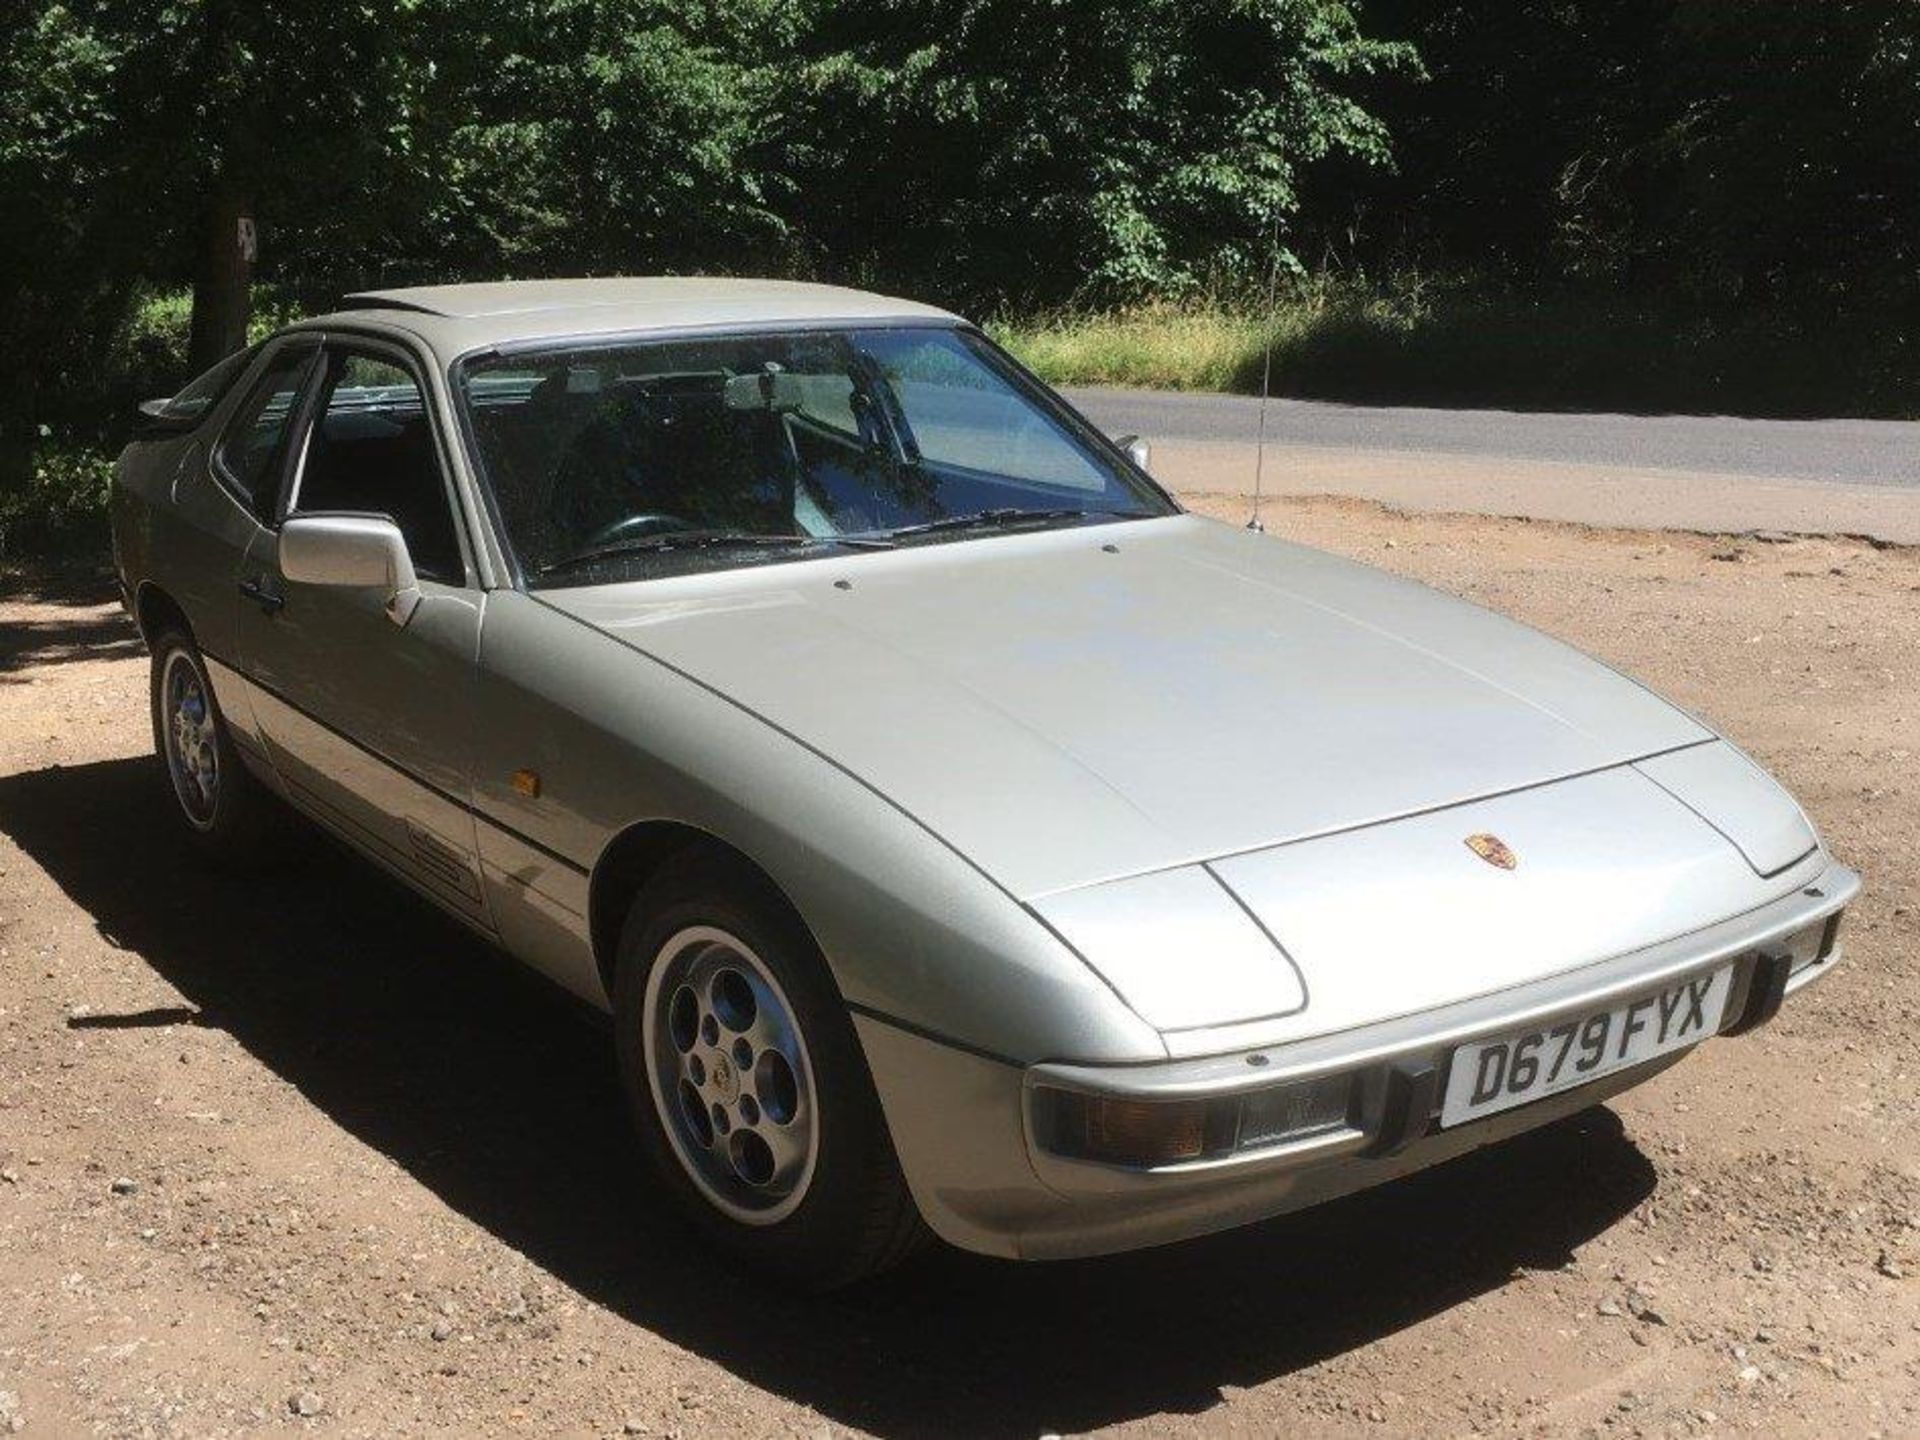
[[962, 837]]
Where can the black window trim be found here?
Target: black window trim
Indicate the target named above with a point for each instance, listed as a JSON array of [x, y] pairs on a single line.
[[334, 342]]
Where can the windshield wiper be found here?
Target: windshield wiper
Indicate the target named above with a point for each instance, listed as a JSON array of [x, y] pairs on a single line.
[[1004, 516], [708, 540]]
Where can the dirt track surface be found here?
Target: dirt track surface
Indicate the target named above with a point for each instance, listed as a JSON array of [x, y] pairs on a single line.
[[295, 1155], [1610, 494]]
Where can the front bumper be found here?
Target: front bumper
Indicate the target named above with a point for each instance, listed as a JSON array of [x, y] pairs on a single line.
[[963, 1123]]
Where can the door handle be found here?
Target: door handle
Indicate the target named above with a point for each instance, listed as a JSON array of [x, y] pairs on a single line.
[[263, 595]]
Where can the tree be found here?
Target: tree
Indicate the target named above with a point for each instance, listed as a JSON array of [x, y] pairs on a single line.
[[1780, 152], [1725, 152], [246, 116], [1032, 150], [67, 265], [993, 151], [596, 136]]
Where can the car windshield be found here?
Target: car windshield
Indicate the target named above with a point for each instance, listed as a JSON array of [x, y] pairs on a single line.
[[641, 459]]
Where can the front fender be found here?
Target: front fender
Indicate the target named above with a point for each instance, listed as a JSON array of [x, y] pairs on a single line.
[[913, 932]]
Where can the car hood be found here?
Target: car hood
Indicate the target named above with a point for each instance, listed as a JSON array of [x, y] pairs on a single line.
[[1074, 706]]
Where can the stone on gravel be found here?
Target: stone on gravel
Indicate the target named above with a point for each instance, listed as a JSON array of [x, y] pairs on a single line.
[[1641, 1309], [306, 1404]]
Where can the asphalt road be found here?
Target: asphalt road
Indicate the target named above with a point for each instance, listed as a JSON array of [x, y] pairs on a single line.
[[1832, 452], [1694, 472]]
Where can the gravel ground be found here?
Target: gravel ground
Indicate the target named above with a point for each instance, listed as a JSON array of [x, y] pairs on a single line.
[[296, 1155]]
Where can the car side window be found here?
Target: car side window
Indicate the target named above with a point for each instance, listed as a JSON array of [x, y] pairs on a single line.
[[371, 450], [252, 445], [961, 416], [206, 390]]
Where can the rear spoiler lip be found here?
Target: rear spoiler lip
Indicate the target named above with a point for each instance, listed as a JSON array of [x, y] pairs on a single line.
[[156, 420]]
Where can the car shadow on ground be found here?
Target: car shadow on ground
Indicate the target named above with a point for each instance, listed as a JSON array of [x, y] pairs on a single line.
[[421, 1042]]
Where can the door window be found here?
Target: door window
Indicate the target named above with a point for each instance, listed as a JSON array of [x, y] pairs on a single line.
[[963, 414], [254, 442], [372, 451]]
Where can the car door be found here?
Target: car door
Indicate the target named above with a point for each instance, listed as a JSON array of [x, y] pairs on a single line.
[[370, 723], [222, 485]]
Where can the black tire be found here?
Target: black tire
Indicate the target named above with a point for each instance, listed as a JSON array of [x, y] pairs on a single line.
[[233, 830], [854, 1217]]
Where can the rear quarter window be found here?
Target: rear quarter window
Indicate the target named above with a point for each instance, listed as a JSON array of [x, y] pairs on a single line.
[[205, 391], [252, 445]]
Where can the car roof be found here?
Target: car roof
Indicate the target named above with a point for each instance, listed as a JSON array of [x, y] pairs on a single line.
[[458, 318]]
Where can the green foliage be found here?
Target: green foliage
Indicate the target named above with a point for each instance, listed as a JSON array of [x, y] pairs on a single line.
[[66, 270], [1784, 151], [320, 118], [1007, 150], [597, 136], [1728, 154], [61, 510], [59, 506]]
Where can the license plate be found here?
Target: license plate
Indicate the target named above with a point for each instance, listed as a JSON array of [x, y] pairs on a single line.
[[1489, 1076]]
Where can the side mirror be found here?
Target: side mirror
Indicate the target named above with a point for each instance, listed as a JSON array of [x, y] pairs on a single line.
[[1138, 451], [362, 552]]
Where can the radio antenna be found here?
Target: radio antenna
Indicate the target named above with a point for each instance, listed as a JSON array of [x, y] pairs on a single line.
[[1266, 374]]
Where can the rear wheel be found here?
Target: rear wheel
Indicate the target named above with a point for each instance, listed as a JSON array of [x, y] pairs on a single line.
[[747, 1082], [226, 811]]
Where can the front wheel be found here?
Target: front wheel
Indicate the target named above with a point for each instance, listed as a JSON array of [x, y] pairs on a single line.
[[226, 811], [747, 1082]]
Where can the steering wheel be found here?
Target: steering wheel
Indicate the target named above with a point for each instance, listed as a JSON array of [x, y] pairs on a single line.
[[651, 522]]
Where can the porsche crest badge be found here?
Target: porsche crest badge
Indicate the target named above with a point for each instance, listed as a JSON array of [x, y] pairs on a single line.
[[1493, 850]]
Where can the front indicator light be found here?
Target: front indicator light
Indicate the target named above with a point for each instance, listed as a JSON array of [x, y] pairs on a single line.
[[1133, 1132], [1149, 1134]]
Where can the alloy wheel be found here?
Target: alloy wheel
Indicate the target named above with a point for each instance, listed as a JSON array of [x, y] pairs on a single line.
[[187, 729], [732, 1081]]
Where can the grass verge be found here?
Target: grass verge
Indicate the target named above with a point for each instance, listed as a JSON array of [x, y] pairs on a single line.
[[1422, 344]]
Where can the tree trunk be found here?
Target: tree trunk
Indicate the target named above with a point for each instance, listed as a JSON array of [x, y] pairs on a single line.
[[222, 281]]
